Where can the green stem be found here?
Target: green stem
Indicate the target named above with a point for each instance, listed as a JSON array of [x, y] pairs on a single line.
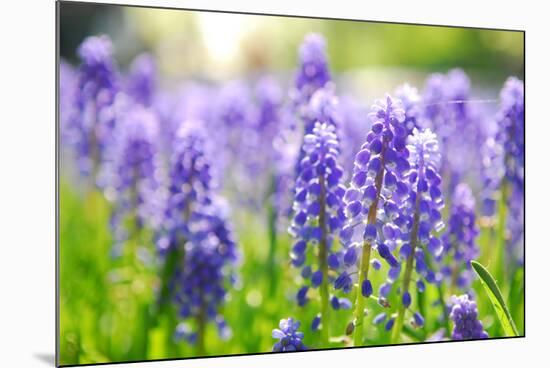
[[359, 313], [272, 229], [360, 300], [323, 266], [398, 326], [500, 254], [201, 330]]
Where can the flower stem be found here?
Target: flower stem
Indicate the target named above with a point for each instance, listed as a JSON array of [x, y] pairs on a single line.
[[323, 266], [359, 312], [360, 300], [201, 330], [272, 230], [398, 326]]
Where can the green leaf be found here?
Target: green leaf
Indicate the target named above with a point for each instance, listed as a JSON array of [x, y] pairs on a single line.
[[492, 290]]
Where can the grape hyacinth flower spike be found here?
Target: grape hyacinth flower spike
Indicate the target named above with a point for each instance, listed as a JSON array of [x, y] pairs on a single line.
[[318, 213], [290, 339], [197, 241], [141, 83], [135, 175], [313, 72], [459, 242], [422, 208], [465, 318], [373, 197], [511, 120], [97, 87], [202, 280]]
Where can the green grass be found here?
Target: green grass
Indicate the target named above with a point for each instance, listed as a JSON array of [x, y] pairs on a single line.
[[107, 305]]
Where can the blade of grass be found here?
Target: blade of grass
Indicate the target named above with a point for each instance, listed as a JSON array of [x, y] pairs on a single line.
[[494, 294]]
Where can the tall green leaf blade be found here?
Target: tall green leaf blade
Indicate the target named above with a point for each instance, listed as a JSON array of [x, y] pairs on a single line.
[[492, 290]]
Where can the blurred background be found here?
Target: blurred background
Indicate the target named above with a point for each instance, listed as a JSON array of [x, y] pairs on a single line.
[[221, 46]]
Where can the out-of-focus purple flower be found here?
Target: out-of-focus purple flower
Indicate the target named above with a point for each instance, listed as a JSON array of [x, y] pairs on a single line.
[[353, 129], [465, 318], [201, 281], [190, 185], [98, 86], [196, 228], [511, 120], [142, 79], [68, 113], [290, 339], [313, 71], [449, 112], [135, 172], [286, 146], [459, 242], [411, 100]]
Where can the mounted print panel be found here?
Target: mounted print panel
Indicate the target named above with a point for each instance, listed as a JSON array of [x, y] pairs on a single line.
[[237, 184]]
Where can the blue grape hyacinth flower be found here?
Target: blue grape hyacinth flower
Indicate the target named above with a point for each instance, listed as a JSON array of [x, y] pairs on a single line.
[[375, 195], [134, 174], [465, 318], [290, 339], [511, 136], [97, 87], [423, 211], [142, 79], [318, 210], [313, 71], [459, 242]]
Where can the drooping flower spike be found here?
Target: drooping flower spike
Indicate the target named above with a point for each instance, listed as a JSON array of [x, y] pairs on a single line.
[[465, 318], [318, 213], [423, 218], [290, 339]]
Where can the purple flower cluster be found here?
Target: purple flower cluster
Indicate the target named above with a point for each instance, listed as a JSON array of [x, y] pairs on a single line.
[[511, 120], [133, 174], [142, 79], [411, 100], [464, 316], [290, 339], [190, 185], [196, 227], [377, 185], [313, 72], [317, 205], [201, 281], [457, 123], [459, 241], [422, 217], [157, 154], [97, 88]]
